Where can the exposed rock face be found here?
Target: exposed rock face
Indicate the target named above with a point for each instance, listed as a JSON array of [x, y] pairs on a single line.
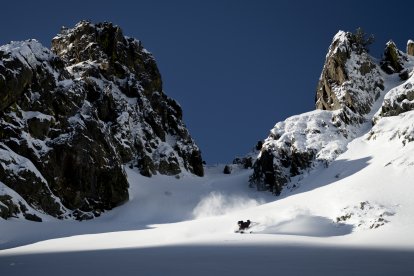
[[151, 132], [245, 162], [350, 83], [349, 78], [410, 48], [70, 119]]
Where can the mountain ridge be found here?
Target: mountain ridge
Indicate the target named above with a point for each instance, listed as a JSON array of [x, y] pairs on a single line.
[[351, 86], [71, 117], [75, 115]]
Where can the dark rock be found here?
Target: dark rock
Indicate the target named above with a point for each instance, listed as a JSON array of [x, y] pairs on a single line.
[[15, 76], [227, 169], [404, 75], [393, 59], [146, 166], [8, 208], [26, 182], [195, 163], [32, 217], [80, 215], [246, 162], [86, 172], [38, 127], [169, 166], [259, 145], [267, 177]]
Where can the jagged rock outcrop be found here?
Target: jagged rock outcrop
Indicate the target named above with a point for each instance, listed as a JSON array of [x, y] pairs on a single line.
[[393, 59], [70, 118], [401, 98], [349, 77], [397, 101], [350, 83], [153, 133]]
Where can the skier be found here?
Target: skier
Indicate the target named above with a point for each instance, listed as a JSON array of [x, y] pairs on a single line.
[[243, 225]]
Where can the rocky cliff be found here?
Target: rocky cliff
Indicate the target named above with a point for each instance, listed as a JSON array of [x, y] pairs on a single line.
[[73, 116], [348, 94]]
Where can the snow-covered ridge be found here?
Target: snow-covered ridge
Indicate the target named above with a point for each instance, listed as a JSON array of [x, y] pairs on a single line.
[[351, 90], [319, 131], [352, 215], [29, 52]]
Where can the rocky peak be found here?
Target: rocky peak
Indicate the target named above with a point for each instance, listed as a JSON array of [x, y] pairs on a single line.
[[349, 84], [86, 41], [349, 77], [118, 56], [70, 120]]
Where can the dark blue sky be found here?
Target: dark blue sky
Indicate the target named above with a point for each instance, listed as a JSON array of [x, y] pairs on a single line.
[[236, 67]]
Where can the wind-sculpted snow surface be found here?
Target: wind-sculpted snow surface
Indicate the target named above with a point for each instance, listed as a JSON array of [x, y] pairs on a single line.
[[71, 118]]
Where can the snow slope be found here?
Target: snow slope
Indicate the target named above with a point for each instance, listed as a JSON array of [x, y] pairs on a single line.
[[185, 226]]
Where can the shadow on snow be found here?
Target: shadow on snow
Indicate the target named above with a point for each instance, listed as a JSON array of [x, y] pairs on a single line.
[[223, 259]]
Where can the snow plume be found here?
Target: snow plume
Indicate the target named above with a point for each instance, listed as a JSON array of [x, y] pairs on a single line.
[[216, 203]]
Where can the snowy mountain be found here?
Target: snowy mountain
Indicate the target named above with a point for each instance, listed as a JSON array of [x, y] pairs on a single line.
[[351, 88], [343, 173], [73, 116]]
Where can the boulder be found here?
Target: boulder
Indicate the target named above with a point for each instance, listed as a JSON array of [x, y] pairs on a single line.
[[227, 169], [8, 208]]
